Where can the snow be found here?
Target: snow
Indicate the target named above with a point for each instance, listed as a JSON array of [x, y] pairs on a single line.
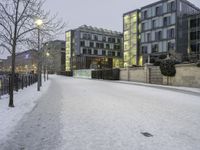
[[24, 102], [83, 114], [189, 89], [101, 115]]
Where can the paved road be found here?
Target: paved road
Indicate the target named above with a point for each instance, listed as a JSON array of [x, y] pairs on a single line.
[[79, 114]]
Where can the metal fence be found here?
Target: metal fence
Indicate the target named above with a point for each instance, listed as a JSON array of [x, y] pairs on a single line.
[[20, 82]]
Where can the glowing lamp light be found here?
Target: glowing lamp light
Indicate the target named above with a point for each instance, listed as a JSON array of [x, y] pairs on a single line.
[[47, 54], [39, 22]]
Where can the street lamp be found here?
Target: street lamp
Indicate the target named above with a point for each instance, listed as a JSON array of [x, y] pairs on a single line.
[[39, 23], [47, 54]]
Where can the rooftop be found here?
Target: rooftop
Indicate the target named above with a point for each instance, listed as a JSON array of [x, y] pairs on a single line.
[[85, 27]]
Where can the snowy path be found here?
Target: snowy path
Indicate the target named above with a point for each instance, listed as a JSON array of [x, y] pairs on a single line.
[[79, 114], [39, 129]]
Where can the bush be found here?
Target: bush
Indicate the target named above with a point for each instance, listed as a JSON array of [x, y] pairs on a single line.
[[167, 68], [157, 63], [163, 56]]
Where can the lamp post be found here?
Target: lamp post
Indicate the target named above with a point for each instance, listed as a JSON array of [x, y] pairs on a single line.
[[47, 55], [39, 23]]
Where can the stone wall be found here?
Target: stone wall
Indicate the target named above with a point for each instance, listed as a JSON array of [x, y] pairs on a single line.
[[137, 74], [187, 75]]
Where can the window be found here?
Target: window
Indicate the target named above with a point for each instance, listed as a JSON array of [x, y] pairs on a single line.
[[82, 43], [103, 52], [195, 35], [109, 39], [84, 36], [154, 24], [107, 46], [171, 7], [144, 49], [148, 37], [195, 23], [97, 45], [95, 37], [154, 48], [158, 35], [113, 40], [89, 36], [170, 46], [104, 39], [158, 11], [118, 54], [109, 53], [145, 14], [84, 51], [113, 53], [170, 33], [165, 21], [89, 51], [91, 44], [143, 26], [101, 45], [118, 40], [95, 52], [116, 47]]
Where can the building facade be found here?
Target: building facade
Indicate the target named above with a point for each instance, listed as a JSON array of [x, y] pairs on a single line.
[[131, 30], [25, 62], [92, 48], [54, 59], [163, 29], [194, 38]]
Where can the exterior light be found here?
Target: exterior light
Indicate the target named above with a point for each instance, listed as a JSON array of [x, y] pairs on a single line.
[[47, 54], [39, 22]]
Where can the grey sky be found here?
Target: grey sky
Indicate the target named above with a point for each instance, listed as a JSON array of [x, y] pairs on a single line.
[[99, 13]]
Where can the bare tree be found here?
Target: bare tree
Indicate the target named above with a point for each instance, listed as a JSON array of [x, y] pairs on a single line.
[[17, 25]]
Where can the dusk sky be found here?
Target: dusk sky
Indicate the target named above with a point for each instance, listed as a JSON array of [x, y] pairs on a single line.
[[99, 13]]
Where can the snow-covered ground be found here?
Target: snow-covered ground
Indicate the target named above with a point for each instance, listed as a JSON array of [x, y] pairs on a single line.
[[82, 114], [24, 102], [190, 89], [100, 115]]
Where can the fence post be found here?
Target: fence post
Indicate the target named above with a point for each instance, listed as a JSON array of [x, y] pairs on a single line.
[[22, 82], [16, 82]]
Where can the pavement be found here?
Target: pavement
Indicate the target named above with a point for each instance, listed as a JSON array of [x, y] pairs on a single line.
[[82, 114]]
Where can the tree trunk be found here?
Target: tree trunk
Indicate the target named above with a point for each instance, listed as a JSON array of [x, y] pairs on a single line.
[[11, 102]]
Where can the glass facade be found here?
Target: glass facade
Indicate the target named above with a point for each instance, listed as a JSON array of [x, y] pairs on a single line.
[[68, 51], [131, 38]]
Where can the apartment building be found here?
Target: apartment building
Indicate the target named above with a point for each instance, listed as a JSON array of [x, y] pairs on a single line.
[[194, 37], [163, 29], [91, 48], [131, 30], [55, 60]]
